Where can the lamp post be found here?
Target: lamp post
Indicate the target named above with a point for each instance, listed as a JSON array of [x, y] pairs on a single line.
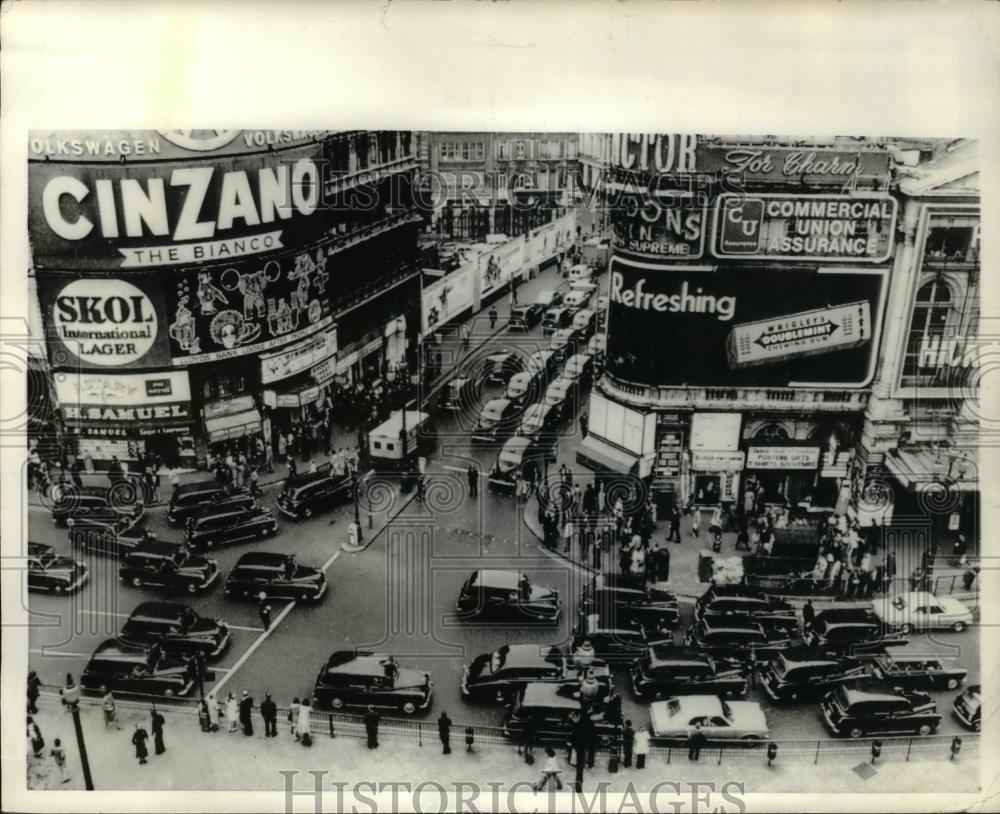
[[357, 514], [71, 697]]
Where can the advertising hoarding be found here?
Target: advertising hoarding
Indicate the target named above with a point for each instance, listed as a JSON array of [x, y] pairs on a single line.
[[444, 299], [277, 366], [821, 228], [659, 230], [716, 431], [782, 457], [810, 166], [138, 403], [497, 267], [671, 326]]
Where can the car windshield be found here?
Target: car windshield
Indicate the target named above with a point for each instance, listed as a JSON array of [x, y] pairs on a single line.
[[673, 706], [46, 558], [727, 711]]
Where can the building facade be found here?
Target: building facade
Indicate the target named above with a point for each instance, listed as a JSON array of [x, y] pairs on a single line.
[[479, 183], [201, 288], [712, 386]]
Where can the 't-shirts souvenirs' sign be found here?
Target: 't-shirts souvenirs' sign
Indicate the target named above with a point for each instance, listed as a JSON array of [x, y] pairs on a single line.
[[103, 322], [166, 213], [227, 311], [804, 227]]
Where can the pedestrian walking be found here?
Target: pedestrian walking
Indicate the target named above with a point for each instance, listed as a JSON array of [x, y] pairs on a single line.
[[493, 317], [372, 719], [808, 615], [444, 733], [59, 757], [641, 747], [34, 684], [264, 610], [696, 741], [109, 709], [695, 521], [35, 737], [304, 727], [246, 713], [232, 712], [627, 741], [293, 717], [255, 489], [584, 418], [473, 475], [269, 712], [551, 771], [139, 738], [157, 722]]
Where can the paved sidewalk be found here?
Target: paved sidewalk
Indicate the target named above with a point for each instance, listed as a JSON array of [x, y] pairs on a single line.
[[223, 761]]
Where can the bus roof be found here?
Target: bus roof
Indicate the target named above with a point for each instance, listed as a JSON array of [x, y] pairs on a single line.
[[392, 427]]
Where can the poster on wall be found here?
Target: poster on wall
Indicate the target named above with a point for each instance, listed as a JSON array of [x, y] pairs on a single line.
[[103, 322], [822, 331], [170, 213], [444, 299], [652, 230], [148, 403], [498, 266], [249, 307]]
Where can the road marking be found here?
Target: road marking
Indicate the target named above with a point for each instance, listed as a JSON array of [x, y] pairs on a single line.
[[330, 561], [254, 645], [104, 613], [241, 627], [44, 652]]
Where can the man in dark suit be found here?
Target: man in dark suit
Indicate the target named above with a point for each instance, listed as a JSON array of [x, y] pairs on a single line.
[[246, 713]]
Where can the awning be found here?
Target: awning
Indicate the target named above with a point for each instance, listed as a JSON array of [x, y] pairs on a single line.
[[599, 455], [232, 426], [918, 465]]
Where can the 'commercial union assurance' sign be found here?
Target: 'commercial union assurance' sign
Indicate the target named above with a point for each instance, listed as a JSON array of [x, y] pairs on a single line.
[[804, 227]]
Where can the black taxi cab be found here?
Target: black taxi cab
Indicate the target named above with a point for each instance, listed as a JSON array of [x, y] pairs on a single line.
[[525, 387], [167, 565], [175, 628], [275, 575], [497, 418], [734, 636], [916, 667], [852, 630], [664, 671], [499, 367], [521, 457], [227, 526], [770, 612], [499, 675], [539, 419], [631, 599], [968, 707], [871, 709], [306, 494], [361, 678], [546, 713], [525, 317], [49, 571], [73, 503], [507, 596], [187, 497], [127, 668], [112, 536], [612, 637], [805, 672]]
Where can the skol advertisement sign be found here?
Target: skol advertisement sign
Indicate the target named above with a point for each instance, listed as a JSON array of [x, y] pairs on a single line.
[[171, 213], [103, 322], [221, 312], [822, 331]]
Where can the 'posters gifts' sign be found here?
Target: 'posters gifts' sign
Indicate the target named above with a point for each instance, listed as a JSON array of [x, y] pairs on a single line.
[[822, 331], [782, 457], [804, 227]]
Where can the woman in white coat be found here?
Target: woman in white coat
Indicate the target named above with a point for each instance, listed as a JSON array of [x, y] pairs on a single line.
[[302, 727], [213, 712], [232, 712]]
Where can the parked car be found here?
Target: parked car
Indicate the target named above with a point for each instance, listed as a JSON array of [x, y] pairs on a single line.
[[167, 565], [227, 527], [968, 707], [546, 712], [507, 595], [526, 456], [581, 271], [499, 417], [803, 672], [676, 718], [362, 678], [920, 610], [126, 668], [632, 601], [913, 667], [665, 670], [111, 536], [544, 360], [75, 504], [176, 629], [48, 571], [579, 294], [275, 575], [555, 318], [613, 638], [772, 613], [539, 419], [525, 387], [854, 630], [459, 394], [500, 674], [734, 636], [499, 367], [525, 317], [549, 299], [579, 368], [872, 710], [307, 494], [585, 321], [187, 497], [558, 393]]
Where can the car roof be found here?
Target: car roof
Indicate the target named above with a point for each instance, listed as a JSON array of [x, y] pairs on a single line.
[[735, 590], [360, 664], [113, 648], [808, 655], [846, 615], [494, 578], [36, 549], [261, 558], [159, 547], [310, 478], [598, 623], [499, 356], [916, 651], [660, 654], [730, 621], [547, 694], [698, 704], [200, 486], [158, 610], [528, 655], [870, 691], [495, 405], [517, 443]]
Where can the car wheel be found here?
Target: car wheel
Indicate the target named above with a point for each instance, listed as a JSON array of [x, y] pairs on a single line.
[[59, 588], [952, 683], [856, 732], [307, 513], [409, 707], [926, 729], [247, 594], [337, 703], [190, 587], [906, 629], [209, 543], [136, 582], [793, 696], [751, 739], [958, 627], [168, 693]]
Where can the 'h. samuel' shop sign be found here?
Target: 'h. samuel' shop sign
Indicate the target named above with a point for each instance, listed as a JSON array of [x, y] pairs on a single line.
[[204, 208]]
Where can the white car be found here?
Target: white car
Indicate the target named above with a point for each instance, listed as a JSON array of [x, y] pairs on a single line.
[[921, 610], [576, 299], [581, 271], [677, 717]]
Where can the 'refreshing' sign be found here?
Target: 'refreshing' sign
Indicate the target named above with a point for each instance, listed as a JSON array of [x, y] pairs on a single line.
[[699, 326]]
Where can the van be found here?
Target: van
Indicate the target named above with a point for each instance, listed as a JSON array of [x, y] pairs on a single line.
[[386, 444]]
